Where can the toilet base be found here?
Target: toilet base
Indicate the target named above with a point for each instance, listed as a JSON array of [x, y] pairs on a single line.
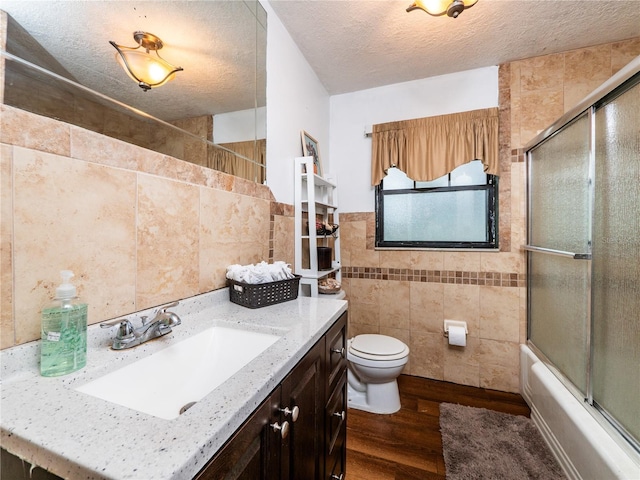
[[382, 398]]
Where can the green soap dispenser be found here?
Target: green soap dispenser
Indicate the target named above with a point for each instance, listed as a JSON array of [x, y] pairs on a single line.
[[64, 331]]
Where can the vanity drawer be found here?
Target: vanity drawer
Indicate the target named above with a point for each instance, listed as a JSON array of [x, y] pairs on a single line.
[[336, 412], [336, 354]]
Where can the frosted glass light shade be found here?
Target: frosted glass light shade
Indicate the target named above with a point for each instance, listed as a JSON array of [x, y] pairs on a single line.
[[148, 70], [143, 67], [452, 8]]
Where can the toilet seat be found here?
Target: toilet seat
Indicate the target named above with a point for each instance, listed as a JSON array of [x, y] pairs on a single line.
[[377, 347]]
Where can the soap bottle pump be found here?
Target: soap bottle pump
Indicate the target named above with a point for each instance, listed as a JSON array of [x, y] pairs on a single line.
[[64, 331]]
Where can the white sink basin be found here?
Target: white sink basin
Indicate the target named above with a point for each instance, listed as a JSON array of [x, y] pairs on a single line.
[[166, 381]]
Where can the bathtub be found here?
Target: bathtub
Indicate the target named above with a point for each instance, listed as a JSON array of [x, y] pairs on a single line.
[[584, 448]]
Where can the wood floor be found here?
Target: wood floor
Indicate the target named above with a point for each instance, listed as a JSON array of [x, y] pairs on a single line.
[[407, 445]]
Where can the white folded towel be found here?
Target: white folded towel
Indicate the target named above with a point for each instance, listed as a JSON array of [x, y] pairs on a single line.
[[260, 273]]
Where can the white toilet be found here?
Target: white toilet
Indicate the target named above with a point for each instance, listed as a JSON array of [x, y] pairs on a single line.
[[375, 362]]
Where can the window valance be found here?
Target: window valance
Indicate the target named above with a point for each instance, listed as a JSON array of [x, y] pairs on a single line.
[[430, 147]]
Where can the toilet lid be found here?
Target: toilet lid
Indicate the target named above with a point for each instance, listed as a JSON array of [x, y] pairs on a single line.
[[380, 345]]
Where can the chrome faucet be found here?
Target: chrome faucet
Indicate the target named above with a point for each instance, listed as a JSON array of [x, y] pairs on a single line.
[[127, 336]]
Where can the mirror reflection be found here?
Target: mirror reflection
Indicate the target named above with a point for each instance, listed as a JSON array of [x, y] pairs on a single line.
[[212, 113]]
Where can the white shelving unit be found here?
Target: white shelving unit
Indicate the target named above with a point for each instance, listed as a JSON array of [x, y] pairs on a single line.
[[315, 198]]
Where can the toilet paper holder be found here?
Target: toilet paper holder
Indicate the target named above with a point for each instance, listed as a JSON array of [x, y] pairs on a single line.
[[454, 323]]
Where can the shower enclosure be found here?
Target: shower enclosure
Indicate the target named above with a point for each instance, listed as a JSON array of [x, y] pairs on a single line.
[[584, 253]]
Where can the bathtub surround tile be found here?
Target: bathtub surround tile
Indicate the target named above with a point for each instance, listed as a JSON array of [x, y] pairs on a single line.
[[585, 69], [539, 73], [167, 241], [623, 52], [539, 109], [85, 224]]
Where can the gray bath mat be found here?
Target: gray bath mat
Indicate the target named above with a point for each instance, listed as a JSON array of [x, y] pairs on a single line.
[[483, 444]]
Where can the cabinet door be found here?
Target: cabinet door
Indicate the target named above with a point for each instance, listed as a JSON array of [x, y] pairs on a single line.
[[253, 453], [303, 453]]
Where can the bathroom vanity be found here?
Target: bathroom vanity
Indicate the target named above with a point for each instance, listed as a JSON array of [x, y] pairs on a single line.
[[299, 431], [244, 426]]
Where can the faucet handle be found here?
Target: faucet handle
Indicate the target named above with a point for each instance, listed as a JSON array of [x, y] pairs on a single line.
[[164, 307], [125, 328]]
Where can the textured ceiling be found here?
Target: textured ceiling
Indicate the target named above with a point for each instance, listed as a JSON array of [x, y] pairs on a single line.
[[359, 44], [352, 45], [214, 41]]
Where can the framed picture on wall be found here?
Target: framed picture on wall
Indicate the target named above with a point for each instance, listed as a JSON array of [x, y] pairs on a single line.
[[310, 149]]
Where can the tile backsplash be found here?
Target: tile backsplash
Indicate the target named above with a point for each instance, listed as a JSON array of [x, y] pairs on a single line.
[[136, 227]]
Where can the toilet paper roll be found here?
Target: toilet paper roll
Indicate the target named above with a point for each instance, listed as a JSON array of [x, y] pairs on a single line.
[[457, 336]]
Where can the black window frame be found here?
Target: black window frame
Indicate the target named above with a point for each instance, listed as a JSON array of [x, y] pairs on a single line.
[[491, 187]]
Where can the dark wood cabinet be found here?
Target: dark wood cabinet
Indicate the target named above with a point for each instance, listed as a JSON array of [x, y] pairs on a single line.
[[336, 405], [254, 450], [299, 431], [304, 388]]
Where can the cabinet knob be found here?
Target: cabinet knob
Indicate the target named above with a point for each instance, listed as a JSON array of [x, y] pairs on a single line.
[[337, 477], [293, 412], [283, 429], [338, 350], [339, 414]]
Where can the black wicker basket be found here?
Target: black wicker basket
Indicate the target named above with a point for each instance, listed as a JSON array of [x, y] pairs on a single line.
[[263, 294]]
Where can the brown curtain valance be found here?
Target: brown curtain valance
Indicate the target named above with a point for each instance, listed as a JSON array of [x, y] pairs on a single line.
[[428, 148], [227, 162]]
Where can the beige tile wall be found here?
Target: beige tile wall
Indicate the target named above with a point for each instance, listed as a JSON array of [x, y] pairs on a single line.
[[543, 88], [138, 228], [409, 294]]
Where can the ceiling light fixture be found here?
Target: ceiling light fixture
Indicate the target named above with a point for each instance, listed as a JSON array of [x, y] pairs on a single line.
[[440, 7], [147, 70]]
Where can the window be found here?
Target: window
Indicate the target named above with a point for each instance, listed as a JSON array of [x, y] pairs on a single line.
[[457, 210]]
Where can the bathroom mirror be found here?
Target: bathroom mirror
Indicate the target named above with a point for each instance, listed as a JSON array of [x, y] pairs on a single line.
[[212, 113]]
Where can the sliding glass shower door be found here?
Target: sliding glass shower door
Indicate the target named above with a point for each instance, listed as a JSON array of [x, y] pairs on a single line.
[[616, 261], [584, 253], [559, 239]]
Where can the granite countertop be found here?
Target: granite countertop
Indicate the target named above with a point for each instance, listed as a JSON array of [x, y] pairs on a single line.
[[74, 435]]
